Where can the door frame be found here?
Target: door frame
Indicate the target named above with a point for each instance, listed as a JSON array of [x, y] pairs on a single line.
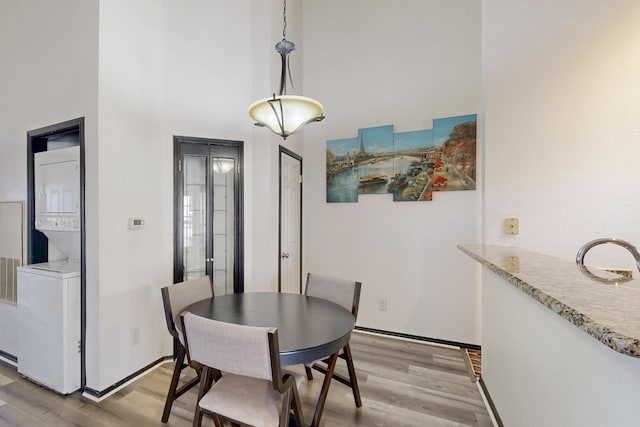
[[37, 141], [284, 151], [238, 267]]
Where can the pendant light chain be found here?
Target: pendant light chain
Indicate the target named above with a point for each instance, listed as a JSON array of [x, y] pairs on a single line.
[[284, 21]]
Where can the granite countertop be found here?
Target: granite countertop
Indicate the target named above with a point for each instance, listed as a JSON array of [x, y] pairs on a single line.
[[608, 312]]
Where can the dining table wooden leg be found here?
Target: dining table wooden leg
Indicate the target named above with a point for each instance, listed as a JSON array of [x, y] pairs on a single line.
[[324, 392]]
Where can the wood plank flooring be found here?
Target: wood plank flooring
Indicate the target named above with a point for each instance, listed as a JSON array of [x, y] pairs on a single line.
[[402, 384]]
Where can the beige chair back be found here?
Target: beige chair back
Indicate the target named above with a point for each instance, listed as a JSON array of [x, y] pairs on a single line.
[[347, 294], [236, 349], [177, 297], [341, 291]]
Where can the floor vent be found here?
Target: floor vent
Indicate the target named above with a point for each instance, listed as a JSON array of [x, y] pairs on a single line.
[[8, 279], [474, 362]]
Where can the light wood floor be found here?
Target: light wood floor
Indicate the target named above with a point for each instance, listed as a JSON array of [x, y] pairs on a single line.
[[402, 384]]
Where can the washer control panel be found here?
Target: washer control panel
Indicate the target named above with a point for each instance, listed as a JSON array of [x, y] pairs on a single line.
[[58, 223]]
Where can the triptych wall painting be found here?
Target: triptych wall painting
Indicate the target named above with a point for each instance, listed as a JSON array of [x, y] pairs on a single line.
[[410, 165]]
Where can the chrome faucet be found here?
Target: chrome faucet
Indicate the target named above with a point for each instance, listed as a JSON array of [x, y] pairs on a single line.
[[587, 246]]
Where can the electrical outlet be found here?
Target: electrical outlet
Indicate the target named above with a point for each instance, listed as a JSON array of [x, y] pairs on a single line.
[[512, 226], [512, 264], [382, 304], [135, 336]]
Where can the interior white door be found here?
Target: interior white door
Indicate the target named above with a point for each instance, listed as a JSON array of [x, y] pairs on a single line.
[[290, 221]]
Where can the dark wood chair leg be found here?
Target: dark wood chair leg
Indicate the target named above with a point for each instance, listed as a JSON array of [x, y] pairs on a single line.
[[351, 381], [285, 410], [171, 394], [175, 392], [352, 376], [197, 417], [331, 364], [206, 375], [296, 404], [309, 373]]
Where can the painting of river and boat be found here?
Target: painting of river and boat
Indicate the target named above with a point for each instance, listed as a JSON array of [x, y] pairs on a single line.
[[409, 165]]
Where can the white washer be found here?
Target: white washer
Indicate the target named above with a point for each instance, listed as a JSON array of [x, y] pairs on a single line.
[[49, 324]]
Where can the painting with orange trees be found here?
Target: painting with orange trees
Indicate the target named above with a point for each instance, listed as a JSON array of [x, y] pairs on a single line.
[[409, 165]]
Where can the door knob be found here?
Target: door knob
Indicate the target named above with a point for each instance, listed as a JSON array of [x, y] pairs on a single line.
[[284, 255], [209, 259]]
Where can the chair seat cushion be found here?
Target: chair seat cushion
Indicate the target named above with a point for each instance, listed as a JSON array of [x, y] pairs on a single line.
[[247, 400]]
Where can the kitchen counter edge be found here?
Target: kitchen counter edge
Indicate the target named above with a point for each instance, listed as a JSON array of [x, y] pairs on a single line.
[[493, 257]]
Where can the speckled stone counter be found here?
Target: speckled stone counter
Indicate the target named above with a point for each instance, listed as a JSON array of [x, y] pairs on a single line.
[[608, 312]]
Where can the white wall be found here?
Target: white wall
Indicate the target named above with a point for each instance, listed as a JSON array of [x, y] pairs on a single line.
[[562, 124], [373, 63], [134, 174], [170, 69], [192, 68], [165, 68], [48, 75]]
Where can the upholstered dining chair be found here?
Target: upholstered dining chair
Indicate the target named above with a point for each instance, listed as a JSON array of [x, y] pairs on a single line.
[[252, 389], [175, 299], [347, 294]]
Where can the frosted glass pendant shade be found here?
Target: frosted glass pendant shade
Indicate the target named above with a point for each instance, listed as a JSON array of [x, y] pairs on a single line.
[[286, 114]]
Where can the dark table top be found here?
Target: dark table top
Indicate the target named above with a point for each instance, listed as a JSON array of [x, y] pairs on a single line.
[[309, 328]]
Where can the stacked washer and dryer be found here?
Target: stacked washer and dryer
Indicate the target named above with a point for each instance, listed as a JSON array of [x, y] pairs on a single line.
[[49, 292]]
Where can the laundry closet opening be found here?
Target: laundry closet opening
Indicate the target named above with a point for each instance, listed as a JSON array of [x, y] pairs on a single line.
[[52, 286]]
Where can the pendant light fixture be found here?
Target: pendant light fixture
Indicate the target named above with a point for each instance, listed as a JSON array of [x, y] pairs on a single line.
[[285, 114]]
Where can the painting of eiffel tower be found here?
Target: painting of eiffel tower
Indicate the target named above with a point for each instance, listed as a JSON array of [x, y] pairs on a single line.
[[411, 165]]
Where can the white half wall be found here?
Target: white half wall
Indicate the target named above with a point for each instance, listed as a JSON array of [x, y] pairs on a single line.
[[541, 370], [373, 63]]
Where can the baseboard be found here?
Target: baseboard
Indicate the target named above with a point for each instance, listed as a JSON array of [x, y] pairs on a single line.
[[99, 395], [8, 358], [494, 412], [419, 338]]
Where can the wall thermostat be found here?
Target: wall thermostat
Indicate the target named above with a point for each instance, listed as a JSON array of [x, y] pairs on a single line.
[[136, 223]]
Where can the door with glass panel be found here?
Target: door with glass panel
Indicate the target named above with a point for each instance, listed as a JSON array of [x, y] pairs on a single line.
[[208, 212]]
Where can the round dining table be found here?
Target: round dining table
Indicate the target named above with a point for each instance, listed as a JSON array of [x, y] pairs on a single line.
[[309, 328]]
